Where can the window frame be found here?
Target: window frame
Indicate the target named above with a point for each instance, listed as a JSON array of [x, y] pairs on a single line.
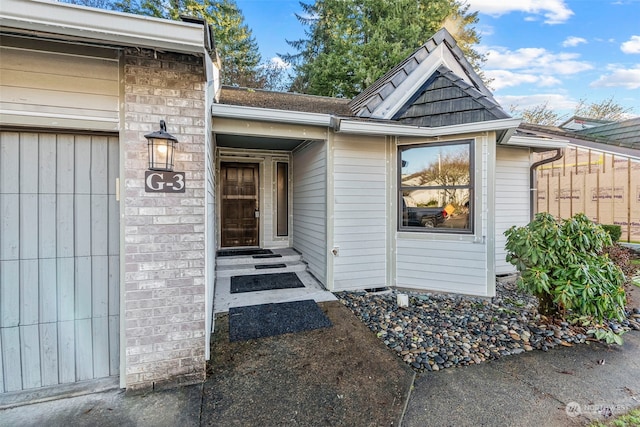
[[470, 187]]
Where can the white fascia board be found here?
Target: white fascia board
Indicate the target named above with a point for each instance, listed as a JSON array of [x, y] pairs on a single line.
[[103, 26], [354, 126], [532, 142], [270, 115], [390, 106], [374, 128]]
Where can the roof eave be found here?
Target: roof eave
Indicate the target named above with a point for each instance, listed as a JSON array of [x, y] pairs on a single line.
[[350, 126], [540, 144], [102, 26], [270, 115], [377, 128]]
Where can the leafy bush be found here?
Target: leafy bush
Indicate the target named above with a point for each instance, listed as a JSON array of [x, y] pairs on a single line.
[[615, 231], [561, 262]]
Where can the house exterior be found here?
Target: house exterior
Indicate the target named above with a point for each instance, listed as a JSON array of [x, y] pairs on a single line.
[[360, 171], [104, 283]]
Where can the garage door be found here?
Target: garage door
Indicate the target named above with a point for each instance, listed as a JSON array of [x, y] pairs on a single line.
[[59, 262]]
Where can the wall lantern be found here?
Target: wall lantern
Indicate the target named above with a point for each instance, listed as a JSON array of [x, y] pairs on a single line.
[[161, 146]]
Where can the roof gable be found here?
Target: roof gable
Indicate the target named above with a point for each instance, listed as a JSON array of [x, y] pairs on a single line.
[[441, 62], [446, 99]]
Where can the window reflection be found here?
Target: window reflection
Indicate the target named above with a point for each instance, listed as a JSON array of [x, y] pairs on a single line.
[[436, 187]]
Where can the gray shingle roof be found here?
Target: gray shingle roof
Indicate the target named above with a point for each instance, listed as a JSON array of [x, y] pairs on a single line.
[[623, 134], [447, 99], [443, 96], [284, 101], [586, 141]]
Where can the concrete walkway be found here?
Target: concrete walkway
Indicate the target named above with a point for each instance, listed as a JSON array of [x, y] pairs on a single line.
[[563, 387]]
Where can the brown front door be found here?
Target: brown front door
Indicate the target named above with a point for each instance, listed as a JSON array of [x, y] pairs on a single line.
[[240, 204]]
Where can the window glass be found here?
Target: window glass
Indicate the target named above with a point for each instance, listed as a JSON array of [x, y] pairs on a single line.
[[282, 199], [436, 187]]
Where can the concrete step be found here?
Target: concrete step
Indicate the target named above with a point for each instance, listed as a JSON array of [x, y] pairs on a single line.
[[249, 269], [279, 256], [312, 290]]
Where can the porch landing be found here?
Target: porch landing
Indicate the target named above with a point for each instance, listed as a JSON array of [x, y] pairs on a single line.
[[229, 266]]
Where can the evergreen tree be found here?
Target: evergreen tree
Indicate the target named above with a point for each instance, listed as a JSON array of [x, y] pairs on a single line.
[[351, 43]]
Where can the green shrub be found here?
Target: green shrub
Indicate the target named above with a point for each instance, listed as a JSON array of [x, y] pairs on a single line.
[[615, 231], [561, 263]]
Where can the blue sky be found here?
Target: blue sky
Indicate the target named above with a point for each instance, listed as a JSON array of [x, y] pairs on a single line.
[[554, 51]]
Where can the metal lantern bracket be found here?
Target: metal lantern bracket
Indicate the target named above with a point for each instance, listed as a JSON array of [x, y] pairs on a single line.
[[161, 146]]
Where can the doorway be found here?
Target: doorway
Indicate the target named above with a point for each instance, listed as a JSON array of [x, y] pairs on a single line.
[[240, 202]]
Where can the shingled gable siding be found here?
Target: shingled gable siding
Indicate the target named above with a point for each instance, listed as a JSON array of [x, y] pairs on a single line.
[[164, 233]]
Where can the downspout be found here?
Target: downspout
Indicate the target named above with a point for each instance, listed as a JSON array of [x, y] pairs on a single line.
[[532, 187]]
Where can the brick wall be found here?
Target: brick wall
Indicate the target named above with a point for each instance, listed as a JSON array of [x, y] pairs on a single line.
[[164, 233]]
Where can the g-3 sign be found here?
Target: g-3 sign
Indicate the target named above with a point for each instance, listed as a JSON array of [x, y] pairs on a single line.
[[164, 182]]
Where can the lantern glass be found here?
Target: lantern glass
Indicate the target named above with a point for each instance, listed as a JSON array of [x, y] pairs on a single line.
[[161, 154], [161, 146]]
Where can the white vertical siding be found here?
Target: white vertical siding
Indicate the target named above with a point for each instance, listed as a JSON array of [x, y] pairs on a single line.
[[59, 259], [454, 262], [310, 207], [360, 212], [512, 198]]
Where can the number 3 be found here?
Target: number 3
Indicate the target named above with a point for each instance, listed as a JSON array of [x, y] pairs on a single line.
[[179, 180]]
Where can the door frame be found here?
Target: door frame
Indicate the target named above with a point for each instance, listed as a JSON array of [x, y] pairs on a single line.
[[266, 159], [259, 181]]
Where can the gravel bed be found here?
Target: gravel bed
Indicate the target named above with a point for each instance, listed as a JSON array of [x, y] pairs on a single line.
[[440, 331]]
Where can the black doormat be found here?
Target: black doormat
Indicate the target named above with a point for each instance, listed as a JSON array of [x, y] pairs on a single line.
[[241, 252], [267, 256], [266, 320], [264, 282], [268, 266]]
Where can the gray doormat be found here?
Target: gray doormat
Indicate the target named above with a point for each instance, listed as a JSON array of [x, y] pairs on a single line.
[[266, 320], [267, 256], [264, 282], [242, 252]]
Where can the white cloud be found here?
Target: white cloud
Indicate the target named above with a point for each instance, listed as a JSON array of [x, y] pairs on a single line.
[[276, 61], [534, 60], [503, 79], [632, 45], [485, 30], [554, 101], [572, 41], [619, 77], [546, 81], [554, 11]]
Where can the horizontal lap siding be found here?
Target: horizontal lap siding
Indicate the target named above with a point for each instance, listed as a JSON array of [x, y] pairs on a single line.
[[512, 198], [441, 266], [310, 207], [59, 259], [59, 86], [360, 222]]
